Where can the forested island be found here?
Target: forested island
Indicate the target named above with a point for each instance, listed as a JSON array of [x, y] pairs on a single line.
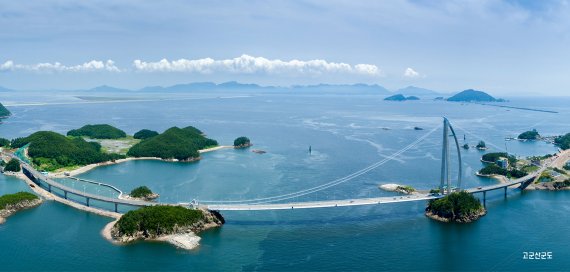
[[181, 144], [400, 97], [461, 207], [10, 204], [471, 95], [529, 135], [145, 134], [100, 131], [4, 112], [164, 223], [242, 142], [563, 141], [143, 193]]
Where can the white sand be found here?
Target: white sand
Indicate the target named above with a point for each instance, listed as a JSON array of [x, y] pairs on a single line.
[[87, 168], [2, 220], [390, 187], [187, 241]]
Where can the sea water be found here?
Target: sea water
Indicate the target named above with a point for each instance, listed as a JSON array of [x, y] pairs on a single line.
[[346, 133]]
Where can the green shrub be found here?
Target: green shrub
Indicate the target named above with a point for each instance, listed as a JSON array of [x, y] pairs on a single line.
[[13, 166], [4, 142], [16, 198]]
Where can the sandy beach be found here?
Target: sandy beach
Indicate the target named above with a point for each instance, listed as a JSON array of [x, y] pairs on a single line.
[[89, 167]]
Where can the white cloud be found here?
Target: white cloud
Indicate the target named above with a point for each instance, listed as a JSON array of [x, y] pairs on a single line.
[[94, 65], [411, 73], [246, 64]]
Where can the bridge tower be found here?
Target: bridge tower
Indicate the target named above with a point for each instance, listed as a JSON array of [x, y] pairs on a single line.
[[445, 177]]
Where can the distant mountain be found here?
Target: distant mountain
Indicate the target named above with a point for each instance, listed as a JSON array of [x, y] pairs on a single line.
[[473, 95], [106, 88], [4, 112], [413, 90], [202, 86], [400, 97], [375, 88]]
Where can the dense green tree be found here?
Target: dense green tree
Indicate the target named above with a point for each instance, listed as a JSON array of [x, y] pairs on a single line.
[[563, 141], [4, 142], [242, 142], [145, 134], [13, 166], [100, 131]]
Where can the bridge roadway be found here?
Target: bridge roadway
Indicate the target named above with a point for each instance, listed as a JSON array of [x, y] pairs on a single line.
[[275, 206], [66, 190]]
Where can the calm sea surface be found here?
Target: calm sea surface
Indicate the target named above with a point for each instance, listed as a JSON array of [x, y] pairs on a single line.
[[347, 133]]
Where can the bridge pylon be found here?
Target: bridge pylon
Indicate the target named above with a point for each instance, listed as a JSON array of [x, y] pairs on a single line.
[[445, 186]]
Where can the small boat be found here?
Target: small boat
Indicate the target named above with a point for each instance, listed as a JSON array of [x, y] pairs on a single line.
[[418, 128], [258, 151]]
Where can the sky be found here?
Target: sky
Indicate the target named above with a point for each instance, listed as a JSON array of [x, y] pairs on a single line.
[[511, 47]]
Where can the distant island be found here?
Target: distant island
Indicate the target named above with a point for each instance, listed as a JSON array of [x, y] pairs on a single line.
[[461, 207], [413, 90], [400, 97], [143, 193], [4, 112], [471, 95], [145, 134]]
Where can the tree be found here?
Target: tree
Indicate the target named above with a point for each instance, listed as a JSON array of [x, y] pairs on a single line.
[[4, 142], [100, 131], [529, 135], [13, 166], [141, 192], [242, 142]]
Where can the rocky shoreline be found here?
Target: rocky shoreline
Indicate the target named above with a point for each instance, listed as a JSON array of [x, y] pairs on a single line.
[[13, 208], [182, 237]]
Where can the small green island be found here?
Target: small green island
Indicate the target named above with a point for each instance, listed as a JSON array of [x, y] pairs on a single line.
[[143, 193], [401, 97], [529, 135], [460, 207], [12, 203], [175, 224], [242, 142]]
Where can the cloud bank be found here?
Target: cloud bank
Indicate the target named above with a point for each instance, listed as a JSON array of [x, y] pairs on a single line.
[[91, 66], [246, 64]]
